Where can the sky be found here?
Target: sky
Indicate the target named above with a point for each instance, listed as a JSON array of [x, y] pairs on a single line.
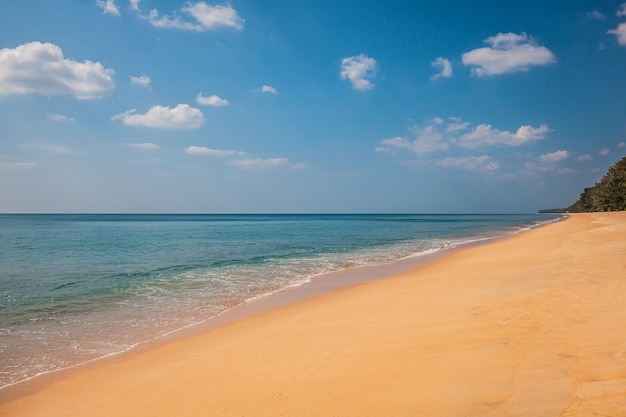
[[316, 106]]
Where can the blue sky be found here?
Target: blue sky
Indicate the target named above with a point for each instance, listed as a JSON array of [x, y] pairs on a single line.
[[308, 106]]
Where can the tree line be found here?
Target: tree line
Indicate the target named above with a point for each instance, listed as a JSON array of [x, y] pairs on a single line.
[[609, 194]]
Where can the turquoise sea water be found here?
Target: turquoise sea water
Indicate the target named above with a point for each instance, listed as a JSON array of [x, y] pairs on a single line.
[[74, 288]]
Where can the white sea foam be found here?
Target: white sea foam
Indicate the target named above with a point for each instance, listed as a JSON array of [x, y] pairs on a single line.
[[132, 296]]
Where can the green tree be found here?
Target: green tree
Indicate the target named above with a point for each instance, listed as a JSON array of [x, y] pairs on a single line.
[[609, 194]]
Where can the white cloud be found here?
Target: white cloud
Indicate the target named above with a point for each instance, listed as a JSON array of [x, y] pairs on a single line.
[[528, 133], [595, 14], [427, 140], [603, 152], [486, 135], [206, 17], [204, 151], [134, 4], [440, 135], [166, 22], [471, 163], [147, 146], [143, 81], [359, 70], [556, 156], [213, 17], [163, 117], [397, 142], [620, 33], [108, 7], [456, 125], [508, 52], [215, 101], [50, 148], [245, 163], [267, 163], [17, 165], [584, 158], [59, 118], [567, 171], [621, 145], [534, 167], [444, 65], [548, 163], [40, 68], [269, 89]]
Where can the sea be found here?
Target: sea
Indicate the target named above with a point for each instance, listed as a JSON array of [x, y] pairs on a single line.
[[78, 287]]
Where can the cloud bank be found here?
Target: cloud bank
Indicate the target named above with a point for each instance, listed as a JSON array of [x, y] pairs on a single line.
[[455, 134], [440, 135], [41, 68], [486, 135]]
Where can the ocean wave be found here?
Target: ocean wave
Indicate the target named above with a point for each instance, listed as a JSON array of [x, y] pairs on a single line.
[[136, 278]]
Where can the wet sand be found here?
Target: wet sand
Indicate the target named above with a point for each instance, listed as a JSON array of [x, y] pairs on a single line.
[[530, 325]]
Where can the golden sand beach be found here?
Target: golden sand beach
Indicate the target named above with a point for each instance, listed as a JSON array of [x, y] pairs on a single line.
[[532, 325]]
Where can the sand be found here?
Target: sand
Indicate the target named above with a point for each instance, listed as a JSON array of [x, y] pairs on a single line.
[[533, 325]]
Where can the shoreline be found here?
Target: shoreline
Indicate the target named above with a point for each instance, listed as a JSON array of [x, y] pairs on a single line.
[[314, 287], [533, 320], [329, 282]]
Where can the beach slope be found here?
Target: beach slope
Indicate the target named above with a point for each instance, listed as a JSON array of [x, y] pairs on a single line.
[[531, 325]]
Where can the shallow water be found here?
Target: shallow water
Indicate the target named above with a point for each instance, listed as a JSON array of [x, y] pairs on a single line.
[[75, 288]]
